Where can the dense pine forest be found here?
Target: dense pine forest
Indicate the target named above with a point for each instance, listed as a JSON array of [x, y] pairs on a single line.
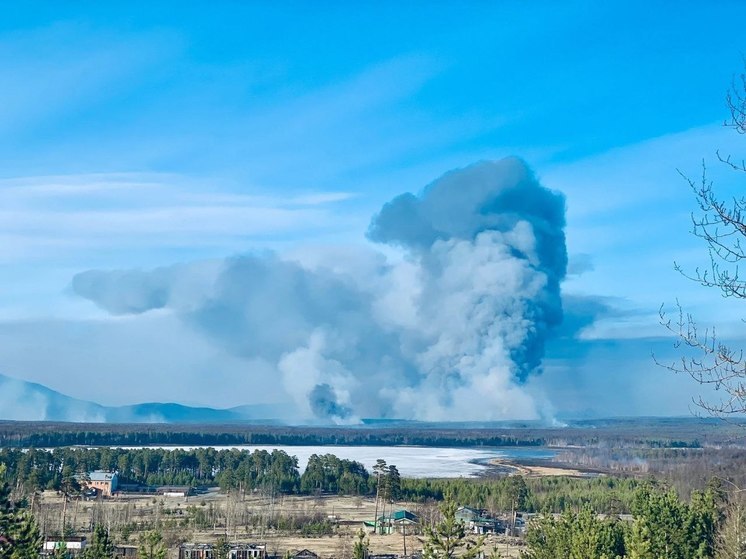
[[616, 433]]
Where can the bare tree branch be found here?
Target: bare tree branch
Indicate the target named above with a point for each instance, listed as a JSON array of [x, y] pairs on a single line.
[[721, 224]]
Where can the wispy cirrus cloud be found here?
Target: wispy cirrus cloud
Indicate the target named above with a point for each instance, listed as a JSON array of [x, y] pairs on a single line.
[[67, 69], [629, 212], [150, 211]]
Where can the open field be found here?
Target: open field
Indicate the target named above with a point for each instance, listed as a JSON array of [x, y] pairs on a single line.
[[245, 518]]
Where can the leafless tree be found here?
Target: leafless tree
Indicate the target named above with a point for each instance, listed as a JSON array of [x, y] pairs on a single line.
[[721, 224], [737, 103]]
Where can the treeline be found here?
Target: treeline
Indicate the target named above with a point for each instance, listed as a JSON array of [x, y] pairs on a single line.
[[11, 437], [277, 472], [686, 470], [607, 495], [663, 526], [271, 472], [680, 433]]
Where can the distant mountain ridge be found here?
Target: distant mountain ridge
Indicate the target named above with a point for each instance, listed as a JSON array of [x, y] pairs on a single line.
[[29, 401]]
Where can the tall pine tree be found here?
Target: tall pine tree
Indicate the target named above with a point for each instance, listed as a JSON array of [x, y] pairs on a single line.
[[581, 535], [151, 546], [100, 546], [448, 538], [19, 534], [664, 526]]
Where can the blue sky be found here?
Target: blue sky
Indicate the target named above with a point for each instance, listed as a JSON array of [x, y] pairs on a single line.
[[138, 136]]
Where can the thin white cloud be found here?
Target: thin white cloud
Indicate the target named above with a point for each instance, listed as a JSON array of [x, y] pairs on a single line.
[[61, 68], [629, 209], [70, 213]]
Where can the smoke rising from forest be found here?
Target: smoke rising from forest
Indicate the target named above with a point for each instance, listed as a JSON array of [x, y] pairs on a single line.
[[449, 330]]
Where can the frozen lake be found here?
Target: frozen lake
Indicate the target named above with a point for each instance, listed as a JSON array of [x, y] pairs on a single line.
[[411, 461]]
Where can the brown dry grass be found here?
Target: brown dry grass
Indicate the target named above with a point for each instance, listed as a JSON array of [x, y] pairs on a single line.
[[349, 512]]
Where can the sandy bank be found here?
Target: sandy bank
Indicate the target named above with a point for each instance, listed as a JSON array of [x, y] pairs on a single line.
[[534, 470]]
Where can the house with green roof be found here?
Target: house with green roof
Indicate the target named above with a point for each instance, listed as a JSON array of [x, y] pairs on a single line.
[[399, 522], [478, 521]]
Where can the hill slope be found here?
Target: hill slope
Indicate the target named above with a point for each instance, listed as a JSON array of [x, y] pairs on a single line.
[[29, 401]]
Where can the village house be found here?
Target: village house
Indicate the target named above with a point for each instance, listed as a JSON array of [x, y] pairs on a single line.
[[125, 551], [196, 551], [235, 551], [478, 521], [102, 481], [401, 522], [247, 551]]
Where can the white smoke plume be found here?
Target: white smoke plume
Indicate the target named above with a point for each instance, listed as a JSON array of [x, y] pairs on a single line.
[[449, 331]]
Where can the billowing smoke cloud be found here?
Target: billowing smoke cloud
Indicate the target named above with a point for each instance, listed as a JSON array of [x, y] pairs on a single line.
[[451, 330], [493, 219]]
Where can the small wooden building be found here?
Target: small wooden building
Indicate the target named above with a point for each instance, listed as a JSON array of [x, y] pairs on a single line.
[[74, 545], [174, 490], [235, 551]]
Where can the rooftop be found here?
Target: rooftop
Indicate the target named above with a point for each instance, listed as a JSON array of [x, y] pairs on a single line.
[[400, 515], [101, 475]]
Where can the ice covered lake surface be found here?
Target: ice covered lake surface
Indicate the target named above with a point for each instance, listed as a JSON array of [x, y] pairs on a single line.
[[411, 461]]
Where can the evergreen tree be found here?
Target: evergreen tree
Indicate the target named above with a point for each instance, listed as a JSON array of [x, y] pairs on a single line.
[[7, 519], [60, 551], [19, 534], [222, 548], [379, 469], [69, 487], [639, 543], [100, 546], [360, 549], [393, 484], [664, 526], [26, 538], [700, 526], [579, 535], [448, 539], [517, 493], [592, 538], [548, 538], [151, 546]]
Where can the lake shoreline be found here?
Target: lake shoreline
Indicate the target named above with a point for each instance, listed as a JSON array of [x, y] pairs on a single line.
[[501, 467], [414, 461]]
